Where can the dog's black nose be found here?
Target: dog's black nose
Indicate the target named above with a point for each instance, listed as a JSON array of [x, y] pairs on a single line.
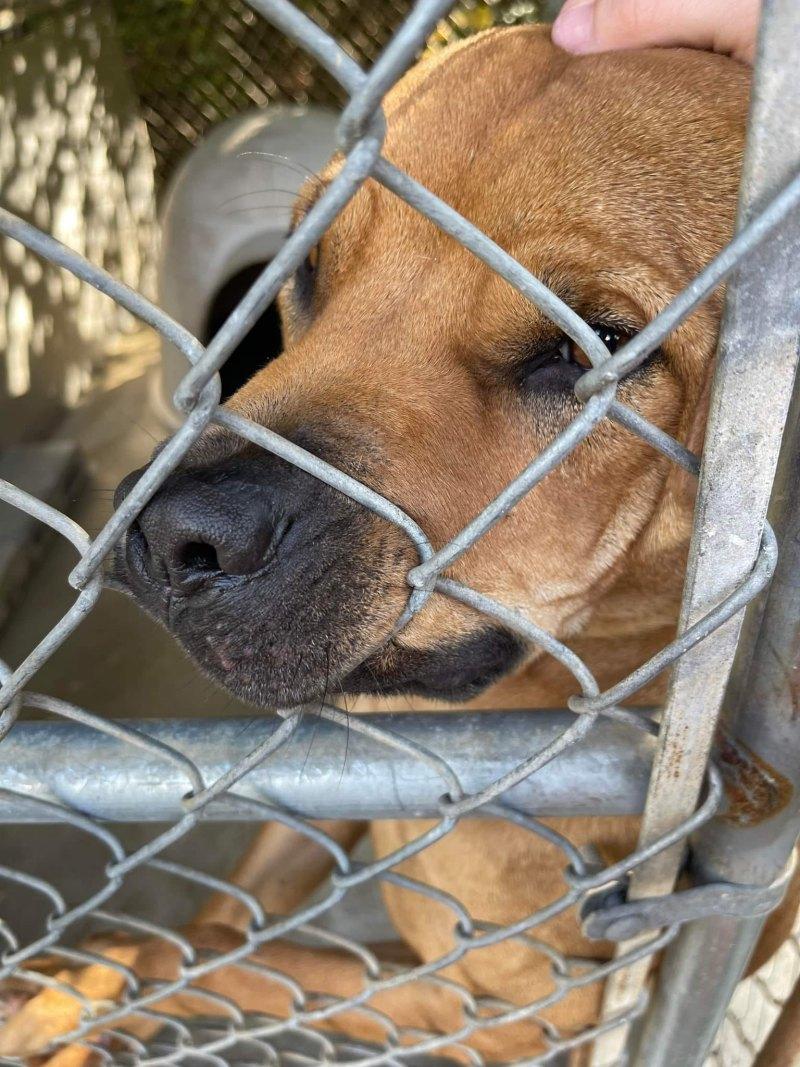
[[205, 525]]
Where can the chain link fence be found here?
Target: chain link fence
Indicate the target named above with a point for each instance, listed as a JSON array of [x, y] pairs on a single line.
[[79, 770]]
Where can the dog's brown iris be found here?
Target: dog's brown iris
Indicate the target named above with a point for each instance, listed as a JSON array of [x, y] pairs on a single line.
[[611, 337]]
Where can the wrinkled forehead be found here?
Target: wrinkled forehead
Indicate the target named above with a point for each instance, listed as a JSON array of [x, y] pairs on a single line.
[[513, 132], [510, 102], [448, 105]]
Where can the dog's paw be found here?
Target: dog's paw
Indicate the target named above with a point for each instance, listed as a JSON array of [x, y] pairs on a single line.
[[32, 1022]]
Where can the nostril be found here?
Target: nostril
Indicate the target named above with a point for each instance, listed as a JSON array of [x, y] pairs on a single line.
[[200, 534], [198, 556]]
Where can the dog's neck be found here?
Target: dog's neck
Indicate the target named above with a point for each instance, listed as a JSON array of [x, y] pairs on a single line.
[[629, 623]]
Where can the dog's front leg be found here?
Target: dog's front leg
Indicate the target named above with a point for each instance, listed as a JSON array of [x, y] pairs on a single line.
[[280, 868]]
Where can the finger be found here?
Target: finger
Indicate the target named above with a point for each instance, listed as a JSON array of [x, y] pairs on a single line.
[[726, 26]]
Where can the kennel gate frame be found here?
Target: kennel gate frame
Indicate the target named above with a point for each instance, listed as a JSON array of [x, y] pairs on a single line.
[[729, 581]]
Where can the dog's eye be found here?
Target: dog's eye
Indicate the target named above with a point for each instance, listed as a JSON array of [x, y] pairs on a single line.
[[611, 336], [565, 359]]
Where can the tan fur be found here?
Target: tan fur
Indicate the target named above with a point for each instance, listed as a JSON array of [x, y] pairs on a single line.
[[614, 178]]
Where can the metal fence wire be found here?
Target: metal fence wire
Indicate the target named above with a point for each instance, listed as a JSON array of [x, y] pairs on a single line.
[[525, 765]]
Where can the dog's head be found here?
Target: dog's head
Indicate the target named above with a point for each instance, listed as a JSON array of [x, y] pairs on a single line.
[[413, 367]]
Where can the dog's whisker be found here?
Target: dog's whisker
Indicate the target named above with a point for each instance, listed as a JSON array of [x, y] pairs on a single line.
[[258, 207], [148, 433], [346, 710], [284, 161], [257, 192], [318, 716]]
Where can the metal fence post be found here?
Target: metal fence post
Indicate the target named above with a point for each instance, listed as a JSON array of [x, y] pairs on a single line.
[[702, 967], [760, 721]]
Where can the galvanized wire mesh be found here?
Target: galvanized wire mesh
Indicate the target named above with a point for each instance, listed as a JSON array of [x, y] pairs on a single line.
[[219, 1030]]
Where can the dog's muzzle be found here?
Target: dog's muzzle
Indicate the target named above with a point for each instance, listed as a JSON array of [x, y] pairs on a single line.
[[284, 590]]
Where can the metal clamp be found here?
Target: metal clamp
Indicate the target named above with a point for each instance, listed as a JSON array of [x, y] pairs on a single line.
[[609, 915]]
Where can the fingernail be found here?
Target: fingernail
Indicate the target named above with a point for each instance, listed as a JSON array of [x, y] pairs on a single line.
[[573, 30]]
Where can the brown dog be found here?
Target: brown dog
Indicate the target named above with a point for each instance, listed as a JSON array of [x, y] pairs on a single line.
[[413, 367]]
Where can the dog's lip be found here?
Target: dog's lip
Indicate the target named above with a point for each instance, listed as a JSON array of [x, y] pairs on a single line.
[[440, 674], [446, 673], [455, 671]]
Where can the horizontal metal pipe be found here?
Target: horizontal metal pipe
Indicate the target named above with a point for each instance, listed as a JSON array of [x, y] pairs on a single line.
[[323, 770]]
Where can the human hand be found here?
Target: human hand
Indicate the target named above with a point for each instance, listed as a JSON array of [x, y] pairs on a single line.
[[726, 26]]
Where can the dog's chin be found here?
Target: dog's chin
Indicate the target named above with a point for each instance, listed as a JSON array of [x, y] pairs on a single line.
[[451, 672], [278, 664]]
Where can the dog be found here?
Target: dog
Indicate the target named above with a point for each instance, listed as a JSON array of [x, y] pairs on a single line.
[[413, 367]]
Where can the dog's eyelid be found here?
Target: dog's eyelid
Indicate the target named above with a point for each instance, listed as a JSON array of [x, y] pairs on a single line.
[[559, 354], [611, 333]]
